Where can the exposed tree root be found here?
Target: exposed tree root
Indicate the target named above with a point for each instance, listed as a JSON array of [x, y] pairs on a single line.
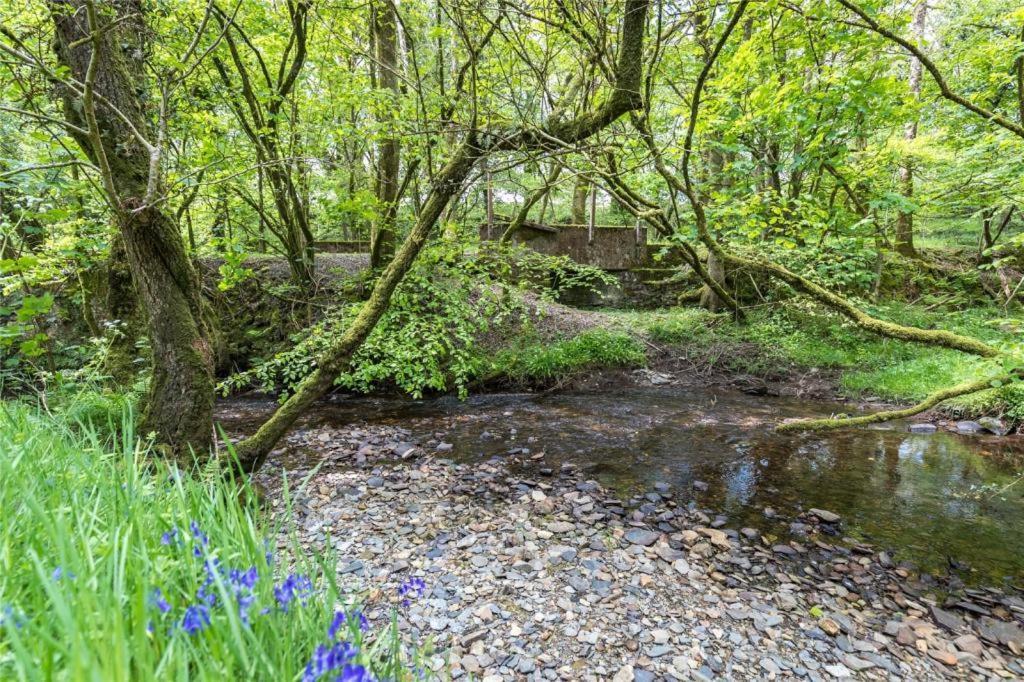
[[931, 401]]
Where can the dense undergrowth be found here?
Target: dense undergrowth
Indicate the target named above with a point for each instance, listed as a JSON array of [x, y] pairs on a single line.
[[113, 567]]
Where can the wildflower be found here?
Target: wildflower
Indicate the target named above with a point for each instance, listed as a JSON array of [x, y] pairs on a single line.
[[293, 587], [412, 588], [341, 619], [328, 659], [354, 673], [244, 579], [59, 573], [195, 619], [9, 617], [169, 537], [159, 602], [200, 537]]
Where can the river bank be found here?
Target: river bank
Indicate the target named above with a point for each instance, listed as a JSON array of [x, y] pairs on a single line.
[[533, 571]]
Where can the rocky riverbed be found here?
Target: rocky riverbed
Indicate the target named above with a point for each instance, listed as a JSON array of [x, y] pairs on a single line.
[[549, 576]]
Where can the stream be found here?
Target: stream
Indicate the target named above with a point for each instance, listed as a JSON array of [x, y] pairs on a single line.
[[939, 500]]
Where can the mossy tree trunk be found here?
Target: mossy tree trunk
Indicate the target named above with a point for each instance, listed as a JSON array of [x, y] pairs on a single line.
[[114, 127], [382, 235]]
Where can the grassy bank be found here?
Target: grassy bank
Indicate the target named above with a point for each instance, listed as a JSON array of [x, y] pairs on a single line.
[[115, 567], [790, 339]]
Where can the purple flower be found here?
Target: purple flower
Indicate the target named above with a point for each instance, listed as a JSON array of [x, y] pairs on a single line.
[[59, 573], [294, 587], [9, 617], [199, 536], [159, 602], [169, 537], [327, 659], [354, 673], [195, 619], [412, 588], [341, 619], [244, 579]]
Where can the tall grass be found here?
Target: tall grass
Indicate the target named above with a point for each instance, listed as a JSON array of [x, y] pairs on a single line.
[[114, 567]]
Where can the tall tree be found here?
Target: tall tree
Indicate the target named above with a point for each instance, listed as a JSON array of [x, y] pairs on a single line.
[[259, 100], [385, 41], [905, 219], [103, 50]]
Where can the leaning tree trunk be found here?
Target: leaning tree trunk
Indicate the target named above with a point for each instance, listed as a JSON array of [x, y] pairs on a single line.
[[110, 122], [625, 96]]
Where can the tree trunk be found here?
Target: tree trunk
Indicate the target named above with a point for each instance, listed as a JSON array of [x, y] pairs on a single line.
[[905, 220], [179, 405], [382, 238], [580, 193]]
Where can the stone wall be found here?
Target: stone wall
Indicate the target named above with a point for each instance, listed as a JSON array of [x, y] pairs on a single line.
[[609, 247]]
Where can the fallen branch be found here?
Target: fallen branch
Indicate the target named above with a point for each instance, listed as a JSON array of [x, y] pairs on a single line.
[[931, 401]]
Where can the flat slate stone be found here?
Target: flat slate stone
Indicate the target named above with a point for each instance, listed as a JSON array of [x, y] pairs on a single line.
[[947, 619], [639, 536]]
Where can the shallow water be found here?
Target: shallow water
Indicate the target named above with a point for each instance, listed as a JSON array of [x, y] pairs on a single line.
[[929, 497]]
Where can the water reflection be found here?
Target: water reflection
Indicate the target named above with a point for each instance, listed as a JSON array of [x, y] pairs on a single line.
[[917, 493]]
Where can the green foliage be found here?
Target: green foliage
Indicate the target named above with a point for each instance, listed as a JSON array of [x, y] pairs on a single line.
[[424, 342], [681, 325], [93, 527], [429, 338], [547, 363], [552, 276]]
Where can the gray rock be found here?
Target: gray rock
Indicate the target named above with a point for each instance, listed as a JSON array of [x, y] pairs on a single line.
[[993, 425], [639, 536], [825, 515], [969, 427], [922, 428]]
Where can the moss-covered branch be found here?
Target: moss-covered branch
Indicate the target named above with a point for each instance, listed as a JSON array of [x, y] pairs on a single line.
[[932, 337], [928, 403]]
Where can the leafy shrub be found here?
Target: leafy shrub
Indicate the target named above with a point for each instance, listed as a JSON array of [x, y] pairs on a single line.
[[428, 339], [424, 342]]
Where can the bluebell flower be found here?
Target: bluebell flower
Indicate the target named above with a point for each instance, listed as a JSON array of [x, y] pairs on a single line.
[[341, 619], [294, 587], [354, 673], [412, 588], [246, 579], [245, 602], [195, 619], [169, 537], [328, 659], [9, 617], [200, 537], [159, 602], [58, 573]]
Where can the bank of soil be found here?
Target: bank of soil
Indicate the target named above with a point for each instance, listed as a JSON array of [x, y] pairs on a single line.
[[546, 575]]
